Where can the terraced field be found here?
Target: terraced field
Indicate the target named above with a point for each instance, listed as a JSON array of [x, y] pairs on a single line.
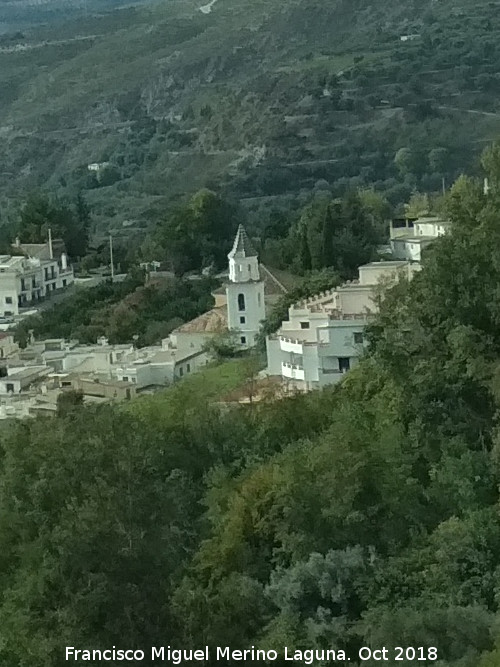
[[262, 99]]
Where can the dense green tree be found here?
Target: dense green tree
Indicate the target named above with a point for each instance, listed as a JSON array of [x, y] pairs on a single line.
[[305, 252], [68, 400], [40, 213], [199, 233], [365, 514], [123, 310]]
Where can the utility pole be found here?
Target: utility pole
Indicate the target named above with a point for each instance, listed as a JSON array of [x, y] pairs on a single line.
[[444, 187], [51, 253], [111, 258]]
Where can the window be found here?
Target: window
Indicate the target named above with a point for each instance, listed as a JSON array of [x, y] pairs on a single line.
[[249, 268], [64, 283], [258, 299], [304, 325], [241, 302], [188, 368], [242, 320], [344, 364], [23, 285], [243, 340], [33, 282], [10, 387], [125, 378], [7, 313], [181, 371], [358, 337], [8, 299], [46, 273]]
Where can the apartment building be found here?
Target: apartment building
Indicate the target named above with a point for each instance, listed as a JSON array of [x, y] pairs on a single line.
[[32, 274], [324, 336]]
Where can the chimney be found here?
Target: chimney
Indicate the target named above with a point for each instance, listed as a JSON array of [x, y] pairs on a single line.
[[51, 254], [64, 261]]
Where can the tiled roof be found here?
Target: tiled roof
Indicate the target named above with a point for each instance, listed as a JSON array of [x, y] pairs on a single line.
[[242, 246], [275, 282], [42, 250], [213, 321]]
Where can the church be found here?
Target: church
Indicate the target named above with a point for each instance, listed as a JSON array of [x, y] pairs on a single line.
[[246, 307], [240, 303]]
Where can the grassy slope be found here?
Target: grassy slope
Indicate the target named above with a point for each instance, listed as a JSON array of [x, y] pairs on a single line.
[[92, 92], [208, 385]]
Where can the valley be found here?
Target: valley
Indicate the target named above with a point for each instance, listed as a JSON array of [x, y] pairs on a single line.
[[262, 102]]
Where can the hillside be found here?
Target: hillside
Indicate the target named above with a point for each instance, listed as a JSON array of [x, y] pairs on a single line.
[[20, 14], [361, 517], [263, 100]]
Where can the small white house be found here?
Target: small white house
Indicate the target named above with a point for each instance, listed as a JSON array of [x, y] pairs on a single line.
[[408, 242], [21, 378]]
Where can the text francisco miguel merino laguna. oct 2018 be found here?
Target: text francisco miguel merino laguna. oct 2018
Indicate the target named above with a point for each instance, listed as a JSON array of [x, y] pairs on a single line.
[[226, 653]]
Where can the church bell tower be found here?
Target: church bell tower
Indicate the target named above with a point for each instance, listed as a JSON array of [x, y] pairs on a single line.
[[244, 291]]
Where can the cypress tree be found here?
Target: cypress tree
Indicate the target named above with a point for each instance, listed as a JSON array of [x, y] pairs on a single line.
[[327, 238], [305, 252]]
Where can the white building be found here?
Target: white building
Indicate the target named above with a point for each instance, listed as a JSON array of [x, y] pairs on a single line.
[[37, 374], [408, 240], [70, 363], [245, 291], [8, 347], [97, 166], [21, 378], [31, 275], [323, 337]]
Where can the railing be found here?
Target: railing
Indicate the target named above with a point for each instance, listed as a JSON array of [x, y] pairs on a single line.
[[292, 366]]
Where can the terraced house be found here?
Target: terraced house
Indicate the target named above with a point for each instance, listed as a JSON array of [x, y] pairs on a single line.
[[323, 337]]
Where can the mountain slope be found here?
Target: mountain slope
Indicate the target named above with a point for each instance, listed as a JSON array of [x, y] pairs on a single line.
[[20, 14], [264, 99]]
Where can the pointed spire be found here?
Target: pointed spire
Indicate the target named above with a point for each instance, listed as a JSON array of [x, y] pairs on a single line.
[[242, 246]]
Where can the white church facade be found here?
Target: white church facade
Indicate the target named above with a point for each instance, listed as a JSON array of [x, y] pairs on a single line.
[[245, 301]]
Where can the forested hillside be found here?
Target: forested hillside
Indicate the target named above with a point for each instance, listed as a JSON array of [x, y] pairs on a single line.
[[263, 101], [362, 515], [16, 15]]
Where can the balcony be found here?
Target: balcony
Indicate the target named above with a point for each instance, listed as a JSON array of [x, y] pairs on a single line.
[[291, 345], [292, 371]]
